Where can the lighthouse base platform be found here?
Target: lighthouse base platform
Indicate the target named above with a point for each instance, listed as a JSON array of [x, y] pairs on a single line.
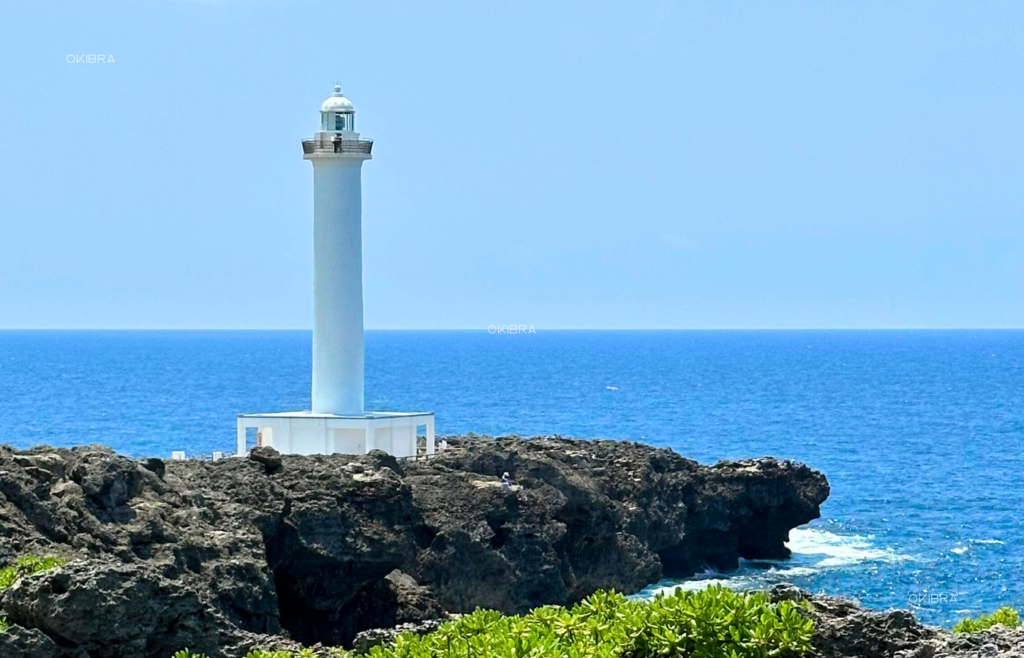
[[308, 433]]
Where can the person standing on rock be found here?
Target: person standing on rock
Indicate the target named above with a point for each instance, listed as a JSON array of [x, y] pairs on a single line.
[[506, 481]]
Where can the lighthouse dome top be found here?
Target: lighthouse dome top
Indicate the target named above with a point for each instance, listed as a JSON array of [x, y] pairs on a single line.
[[337, 103], [337, 137]]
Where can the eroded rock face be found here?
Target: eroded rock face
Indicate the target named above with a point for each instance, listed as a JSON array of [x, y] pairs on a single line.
[[216, 555], [19, 642], [118, 610], [843, 629], [593, 515]]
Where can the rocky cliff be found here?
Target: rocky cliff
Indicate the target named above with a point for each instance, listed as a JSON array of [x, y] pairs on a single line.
[[843, 629], [269, 549]]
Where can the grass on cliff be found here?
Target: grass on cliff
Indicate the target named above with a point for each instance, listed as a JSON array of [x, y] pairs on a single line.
[[711, 623], [1006, 616], [25, 565]]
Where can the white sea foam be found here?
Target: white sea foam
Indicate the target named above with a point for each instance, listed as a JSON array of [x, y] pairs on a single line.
[[814, 550], [795, 572], [839, 550], [986, 541]]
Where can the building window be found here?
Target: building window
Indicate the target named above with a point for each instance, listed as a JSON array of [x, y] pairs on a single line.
[[339, 122]]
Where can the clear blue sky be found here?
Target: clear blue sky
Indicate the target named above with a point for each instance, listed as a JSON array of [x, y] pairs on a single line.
[[582, 165]]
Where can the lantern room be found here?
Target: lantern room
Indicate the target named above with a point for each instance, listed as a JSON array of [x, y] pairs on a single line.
[[337, 113]]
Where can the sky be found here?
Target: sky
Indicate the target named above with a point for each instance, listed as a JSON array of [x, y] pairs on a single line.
[[691, 165]]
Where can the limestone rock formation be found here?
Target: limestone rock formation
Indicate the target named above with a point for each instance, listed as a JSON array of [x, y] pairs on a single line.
[[221, 556], [843, 629]]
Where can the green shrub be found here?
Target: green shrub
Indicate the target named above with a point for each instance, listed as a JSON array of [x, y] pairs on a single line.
[[1006, 616], [712, 623], [303, 653], [25, 565], [255, 653]]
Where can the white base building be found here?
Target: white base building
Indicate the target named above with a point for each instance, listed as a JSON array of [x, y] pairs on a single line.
[[338, 422], [308, 433]]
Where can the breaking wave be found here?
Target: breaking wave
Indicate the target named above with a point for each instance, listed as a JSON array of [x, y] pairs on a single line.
[[814, 551]]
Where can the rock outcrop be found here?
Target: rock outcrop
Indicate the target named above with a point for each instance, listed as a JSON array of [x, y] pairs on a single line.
[[845, 630], [271, 549]]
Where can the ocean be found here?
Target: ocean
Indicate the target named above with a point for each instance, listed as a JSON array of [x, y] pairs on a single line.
[[920, 433]]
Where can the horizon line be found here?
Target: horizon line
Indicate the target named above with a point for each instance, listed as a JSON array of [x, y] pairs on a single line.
[[536, 329]]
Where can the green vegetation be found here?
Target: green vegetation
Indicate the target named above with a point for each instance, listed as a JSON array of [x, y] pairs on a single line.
[[25, 565], [1006, 616], [304, 653], [260, 653], [712, 623]]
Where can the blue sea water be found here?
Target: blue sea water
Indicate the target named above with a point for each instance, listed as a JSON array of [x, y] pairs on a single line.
[[921, 433]]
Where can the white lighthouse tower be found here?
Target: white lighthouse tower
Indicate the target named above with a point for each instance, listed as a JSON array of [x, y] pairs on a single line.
[[337, 155], [338, 421]]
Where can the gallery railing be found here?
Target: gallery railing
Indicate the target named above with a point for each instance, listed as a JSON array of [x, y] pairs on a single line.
[[336, 145]]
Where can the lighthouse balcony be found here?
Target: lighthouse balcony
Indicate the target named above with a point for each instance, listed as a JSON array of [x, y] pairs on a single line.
[[333, 143]]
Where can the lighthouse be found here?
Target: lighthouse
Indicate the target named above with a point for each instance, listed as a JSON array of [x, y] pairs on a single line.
[[337, 154], [337, 420]]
